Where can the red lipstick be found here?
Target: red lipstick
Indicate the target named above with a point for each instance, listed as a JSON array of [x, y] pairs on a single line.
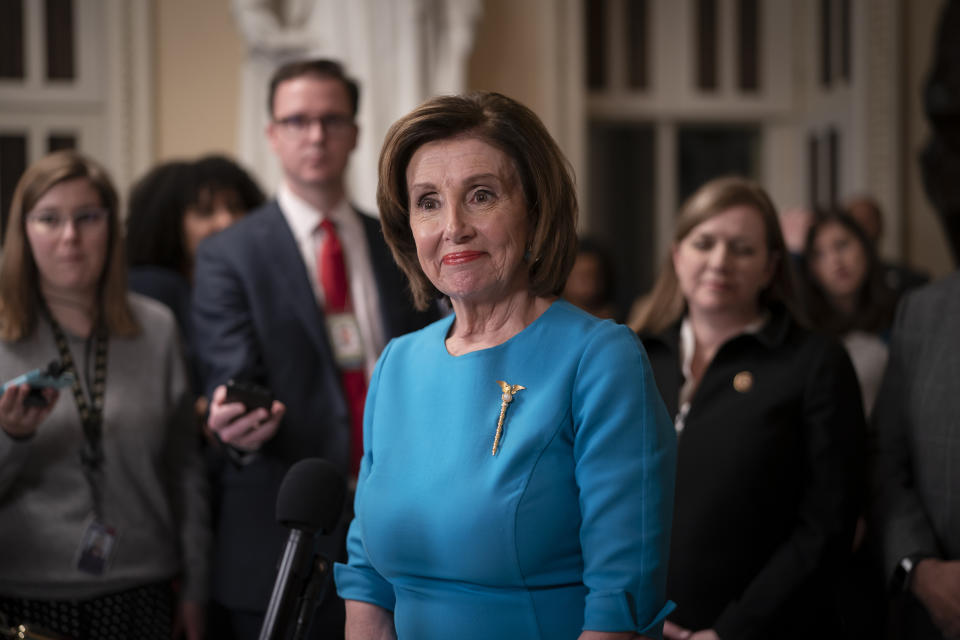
[[462, 257]]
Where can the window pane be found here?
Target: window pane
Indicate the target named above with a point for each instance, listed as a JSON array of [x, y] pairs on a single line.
[[813, 167], [596, 13], [833, 166], [60, 45], [11, 39], [707, 151], [826, 41], [638, 39], [13, 162], [748, 44], [846, 71], [58, 141], [621, 178], [707, 44]]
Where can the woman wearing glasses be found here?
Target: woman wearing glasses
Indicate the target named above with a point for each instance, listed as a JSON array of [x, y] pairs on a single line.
[[102, 493]]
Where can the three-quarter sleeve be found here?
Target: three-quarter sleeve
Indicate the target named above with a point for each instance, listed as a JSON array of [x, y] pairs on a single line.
[[358, 580], [625, 457]]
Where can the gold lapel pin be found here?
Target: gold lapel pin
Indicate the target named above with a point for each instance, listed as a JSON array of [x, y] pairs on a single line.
[[509, 390], [743, 381]]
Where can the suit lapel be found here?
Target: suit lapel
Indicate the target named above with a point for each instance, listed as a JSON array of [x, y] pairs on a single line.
[[281, 255]]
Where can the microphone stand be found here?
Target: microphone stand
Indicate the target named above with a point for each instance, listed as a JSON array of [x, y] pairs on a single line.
[[312, 595], [292, 559]]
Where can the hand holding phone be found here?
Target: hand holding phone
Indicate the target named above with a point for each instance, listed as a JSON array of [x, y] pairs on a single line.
[[52, 375], [244, 415], [28, 399], [250, 395]]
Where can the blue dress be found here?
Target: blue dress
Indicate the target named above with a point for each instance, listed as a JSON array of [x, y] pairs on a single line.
[[566, 528]]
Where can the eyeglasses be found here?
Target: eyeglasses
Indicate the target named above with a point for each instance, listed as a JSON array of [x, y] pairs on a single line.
[[299, 124], [53, 222]]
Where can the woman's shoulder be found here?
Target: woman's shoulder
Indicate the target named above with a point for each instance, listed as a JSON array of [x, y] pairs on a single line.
[[415, 342], [159, 283], [578, 331], [810, 352], [154, 317]]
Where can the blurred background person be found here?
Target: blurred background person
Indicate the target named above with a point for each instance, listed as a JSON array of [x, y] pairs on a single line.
[[102, 492], [770, 429], [478, 205], [898, 278], [916, 476], [591, 283], [846, 296], [795, 224], [170, 210], [300, 297]]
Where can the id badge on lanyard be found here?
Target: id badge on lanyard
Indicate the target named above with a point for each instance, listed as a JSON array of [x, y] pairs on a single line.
[[344, 332], [98, 542]]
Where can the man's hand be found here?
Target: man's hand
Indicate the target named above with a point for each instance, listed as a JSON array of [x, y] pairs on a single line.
[[936, 583], [240, 429], [18, 420]]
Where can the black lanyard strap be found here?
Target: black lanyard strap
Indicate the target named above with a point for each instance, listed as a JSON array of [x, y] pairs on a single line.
[[91, 410]]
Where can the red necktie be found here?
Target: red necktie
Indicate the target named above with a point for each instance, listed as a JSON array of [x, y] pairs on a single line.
[[336, 292]]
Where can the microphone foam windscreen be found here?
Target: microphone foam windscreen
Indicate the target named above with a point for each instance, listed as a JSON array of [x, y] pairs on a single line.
[[311, 496]]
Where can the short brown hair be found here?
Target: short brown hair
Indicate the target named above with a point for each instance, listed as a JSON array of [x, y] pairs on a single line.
[[19, 279], [318, 68], [665, 304], [543, 171]]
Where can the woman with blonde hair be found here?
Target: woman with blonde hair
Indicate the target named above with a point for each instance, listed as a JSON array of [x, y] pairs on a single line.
[[102, 492], [770, 428]]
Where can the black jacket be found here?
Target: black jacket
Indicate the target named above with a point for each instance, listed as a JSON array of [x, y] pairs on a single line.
[[768, 481], [256, 317]]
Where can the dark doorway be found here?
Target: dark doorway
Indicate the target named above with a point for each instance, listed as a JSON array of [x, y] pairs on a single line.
[[620, 205]]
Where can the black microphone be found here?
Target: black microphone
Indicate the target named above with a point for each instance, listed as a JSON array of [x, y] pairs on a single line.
[[310, 501]]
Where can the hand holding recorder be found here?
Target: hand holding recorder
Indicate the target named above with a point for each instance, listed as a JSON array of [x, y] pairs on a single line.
[[244, 416]]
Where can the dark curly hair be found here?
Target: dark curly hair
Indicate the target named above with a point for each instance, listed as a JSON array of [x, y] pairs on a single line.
[[159, 200]]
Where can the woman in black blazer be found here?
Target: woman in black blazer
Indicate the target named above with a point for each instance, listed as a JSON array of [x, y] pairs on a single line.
[[770, 425]]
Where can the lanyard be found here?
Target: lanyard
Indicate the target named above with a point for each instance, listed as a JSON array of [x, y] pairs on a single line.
[[91, 413]]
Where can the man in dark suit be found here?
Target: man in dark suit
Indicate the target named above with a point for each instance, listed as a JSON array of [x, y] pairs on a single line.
[[299, 297], [917, 481]]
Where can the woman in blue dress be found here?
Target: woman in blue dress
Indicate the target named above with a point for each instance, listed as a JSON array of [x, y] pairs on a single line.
[[517, 478]]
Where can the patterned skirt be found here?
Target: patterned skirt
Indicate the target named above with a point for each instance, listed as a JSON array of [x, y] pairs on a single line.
[[143, 612]]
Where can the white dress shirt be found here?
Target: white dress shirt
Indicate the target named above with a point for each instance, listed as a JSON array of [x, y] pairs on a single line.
[[304, 221]]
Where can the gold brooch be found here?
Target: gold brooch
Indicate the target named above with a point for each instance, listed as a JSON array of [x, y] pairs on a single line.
[[509, 390], [743, 381]]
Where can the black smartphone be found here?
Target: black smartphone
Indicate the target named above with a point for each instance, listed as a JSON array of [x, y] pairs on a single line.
[[251, 395]]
